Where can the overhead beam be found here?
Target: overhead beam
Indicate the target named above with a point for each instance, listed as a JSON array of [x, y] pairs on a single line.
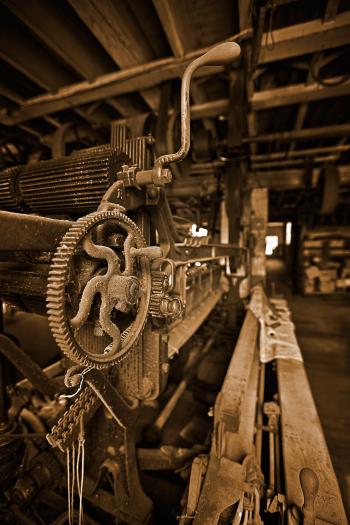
[[292, 162], [181, 39], [331, 10], [67, 39], [132, 79], [304, 107], [305, 38], [299, 93], [30, 58], [174, 19], [337, 130], [281, 155], [295, 178], [116, 28]]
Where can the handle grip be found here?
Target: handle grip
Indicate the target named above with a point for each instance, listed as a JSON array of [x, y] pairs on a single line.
[[309, 485], [220, 55]]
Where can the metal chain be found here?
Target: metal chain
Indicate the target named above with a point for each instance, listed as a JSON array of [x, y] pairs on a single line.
[[65, 432]]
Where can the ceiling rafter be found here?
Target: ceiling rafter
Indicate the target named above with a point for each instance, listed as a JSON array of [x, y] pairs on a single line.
[[67, 40], [120, 82], [303, 108], [117, 30], [306, 38], [299, 93], [181, 39], [336, 130]]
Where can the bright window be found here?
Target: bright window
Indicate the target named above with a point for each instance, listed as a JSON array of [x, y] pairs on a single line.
[[271, 243], [201, 232], [288, 233]]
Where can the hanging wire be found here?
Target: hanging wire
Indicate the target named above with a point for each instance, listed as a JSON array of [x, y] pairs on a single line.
[[270, 45]]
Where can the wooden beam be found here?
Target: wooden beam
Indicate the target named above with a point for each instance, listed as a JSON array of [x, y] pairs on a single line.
[[116, 28], [337, 130], [303, 108], [17, 99], [132, 79], [301, 153], [175, 22], [67, 39], [244, 13], [304, 444], [299, 93], [308, 37], [295, 178], [331, 10], [181, 39], [30, 58], [292, 162]]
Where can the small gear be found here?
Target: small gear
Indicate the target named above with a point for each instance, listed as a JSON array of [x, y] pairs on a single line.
[[62, 328], [161, 304]]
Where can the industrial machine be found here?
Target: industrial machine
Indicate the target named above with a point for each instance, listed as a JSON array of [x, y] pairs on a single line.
[[145, 414]]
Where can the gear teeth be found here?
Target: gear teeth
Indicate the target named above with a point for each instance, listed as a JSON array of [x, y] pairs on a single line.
[[158, 288], [57, 278]]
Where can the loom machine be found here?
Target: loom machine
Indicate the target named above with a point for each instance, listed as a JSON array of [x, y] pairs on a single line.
[[176, 392]]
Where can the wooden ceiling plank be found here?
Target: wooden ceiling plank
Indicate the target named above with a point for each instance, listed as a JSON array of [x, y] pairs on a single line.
[[292, 162], [30, 58], [299, 93], [61, 35], [336, 130], [305, 38], [174, 19], [181, 39], [331, 10], [142, 76], [117, 30], [309, 152], [67, 41]]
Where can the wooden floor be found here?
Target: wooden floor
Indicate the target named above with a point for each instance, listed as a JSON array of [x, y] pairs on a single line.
[[323, 331]]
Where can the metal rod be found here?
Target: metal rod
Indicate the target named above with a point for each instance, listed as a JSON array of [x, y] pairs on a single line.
[[259, 413], [3, 393]]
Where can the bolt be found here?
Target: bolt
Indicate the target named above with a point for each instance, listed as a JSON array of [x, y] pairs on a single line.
[[147, 386], [165, 368]]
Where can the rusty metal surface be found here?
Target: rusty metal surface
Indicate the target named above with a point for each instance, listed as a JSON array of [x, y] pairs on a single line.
[[20, 232]]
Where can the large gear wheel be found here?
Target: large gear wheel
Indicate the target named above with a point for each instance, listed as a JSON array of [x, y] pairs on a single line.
[[118, 289]]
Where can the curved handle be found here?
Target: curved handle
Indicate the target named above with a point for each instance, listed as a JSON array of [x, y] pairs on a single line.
[[219, 55]]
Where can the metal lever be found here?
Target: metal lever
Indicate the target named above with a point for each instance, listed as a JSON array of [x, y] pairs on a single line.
[[219, 55], [152, 252], [309, 485]]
